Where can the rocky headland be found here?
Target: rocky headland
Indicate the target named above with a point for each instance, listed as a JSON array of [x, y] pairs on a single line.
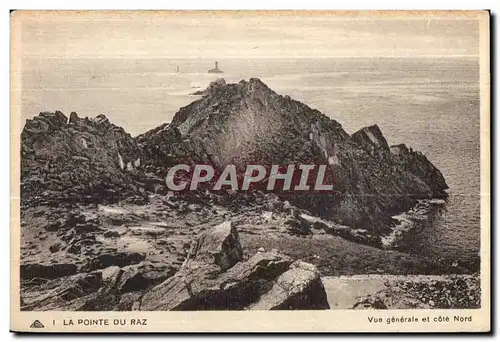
[[101, 231]]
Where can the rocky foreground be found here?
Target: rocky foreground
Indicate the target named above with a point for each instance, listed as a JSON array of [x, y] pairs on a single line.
[[214, 276], [133, 258], [101, 231], [79, 160]]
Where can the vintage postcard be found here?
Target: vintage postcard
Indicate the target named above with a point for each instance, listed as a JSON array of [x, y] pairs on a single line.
[[250, 171]]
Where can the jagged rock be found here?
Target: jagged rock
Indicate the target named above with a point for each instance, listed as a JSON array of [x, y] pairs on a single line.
[[74, 218], [80, 242], [128, 301], [377, 303], [53, 226], [52, 271], [299, 288], [101, 119], [111, 234], [73, 118], [371, 138], [141, 276], [419, 166], [87, 228], [320, 225], [210, 279], [91, 160]]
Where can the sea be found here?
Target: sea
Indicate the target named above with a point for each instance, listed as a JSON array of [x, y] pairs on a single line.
[[430, 104]]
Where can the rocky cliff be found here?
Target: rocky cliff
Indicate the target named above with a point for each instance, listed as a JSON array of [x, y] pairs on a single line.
[[244, 123], [248, 123]]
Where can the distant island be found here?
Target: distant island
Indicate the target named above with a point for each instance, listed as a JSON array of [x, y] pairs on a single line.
[[215, 70]]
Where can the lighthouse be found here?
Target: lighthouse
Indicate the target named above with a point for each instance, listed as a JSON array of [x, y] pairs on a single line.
[[215, 70]]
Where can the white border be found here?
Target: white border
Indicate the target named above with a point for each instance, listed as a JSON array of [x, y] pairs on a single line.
[[186, 4]]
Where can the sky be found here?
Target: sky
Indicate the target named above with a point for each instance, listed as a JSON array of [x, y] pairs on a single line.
[[204, 35]]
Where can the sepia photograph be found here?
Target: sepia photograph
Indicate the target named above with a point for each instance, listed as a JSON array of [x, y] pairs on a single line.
[[250, 161]]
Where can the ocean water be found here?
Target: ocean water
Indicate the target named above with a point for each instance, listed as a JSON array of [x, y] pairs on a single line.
[[431, 104]]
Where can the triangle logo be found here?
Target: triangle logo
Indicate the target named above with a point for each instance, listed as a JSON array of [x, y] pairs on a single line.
[[37, 324]]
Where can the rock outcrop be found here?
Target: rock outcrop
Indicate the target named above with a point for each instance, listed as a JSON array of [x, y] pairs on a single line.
[[76, 160], [155, 250], [213, 277]]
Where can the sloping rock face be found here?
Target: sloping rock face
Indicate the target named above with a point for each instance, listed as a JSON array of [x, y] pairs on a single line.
[[248, 123], [76, 160], [214, 277]]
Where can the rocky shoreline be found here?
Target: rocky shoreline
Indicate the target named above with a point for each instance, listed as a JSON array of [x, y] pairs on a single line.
[[101, 231]]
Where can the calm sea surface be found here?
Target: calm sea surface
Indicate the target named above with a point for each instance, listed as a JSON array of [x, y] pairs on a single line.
[[430, 104]]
